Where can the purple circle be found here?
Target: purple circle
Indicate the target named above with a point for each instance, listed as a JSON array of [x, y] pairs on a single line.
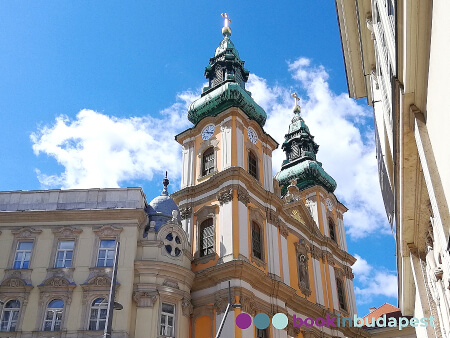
[[243, 320]]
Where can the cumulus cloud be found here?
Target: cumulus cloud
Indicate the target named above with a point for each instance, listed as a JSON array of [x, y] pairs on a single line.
[[97, 150], [372, 282], [342, 128]]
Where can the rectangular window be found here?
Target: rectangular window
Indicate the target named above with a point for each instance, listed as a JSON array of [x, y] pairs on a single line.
[[167, 327], [23, 255], [207, 237], [64, 254], [106, 252], [252, 165], [261, 333]]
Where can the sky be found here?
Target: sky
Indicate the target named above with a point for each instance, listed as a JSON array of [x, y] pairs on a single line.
[[92, 94]]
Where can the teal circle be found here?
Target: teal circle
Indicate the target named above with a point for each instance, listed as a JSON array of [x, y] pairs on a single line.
[[262, 321], [279, 321]]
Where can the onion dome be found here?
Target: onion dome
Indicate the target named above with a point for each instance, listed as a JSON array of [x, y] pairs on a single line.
[[226, 84], [161, 207], [301, 163]]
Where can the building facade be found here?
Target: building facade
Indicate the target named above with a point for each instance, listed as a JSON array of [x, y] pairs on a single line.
[[396, 54], [280, 242]]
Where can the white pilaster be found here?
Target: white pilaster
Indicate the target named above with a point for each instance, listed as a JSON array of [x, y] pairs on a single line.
[[324, 220], [273, 256], [225, 129], [333, 288], [243, 229], [229, 325], [285, 261], [351, 301], [240, 147], [318, 281], [225, 232]]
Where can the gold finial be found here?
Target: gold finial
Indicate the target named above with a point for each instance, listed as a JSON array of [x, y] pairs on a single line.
[[296, 106], [226, 30]]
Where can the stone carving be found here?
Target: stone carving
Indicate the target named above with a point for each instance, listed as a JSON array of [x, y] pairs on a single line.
[[221, 304], [27, 232], [329, 257], [310, 205], [225, 196], [284, 230], [13, 283], [171, 283], [108, 231], [243, 195], [302, 266], [296, 215], [272, 216], [67, 232], [145, 298], [338, 272], [185, 212], [348, 272], [316, 252], [248, 305], [56, 282], [186, 307], [100, 281]]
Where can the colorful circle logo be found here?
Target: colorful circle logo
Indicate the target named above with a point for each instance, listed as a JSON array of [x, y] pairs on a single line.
[[261, 321]]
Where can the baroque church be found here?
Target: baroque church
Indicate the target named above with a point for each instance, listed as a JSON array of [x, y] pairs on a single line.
[[279, 242]]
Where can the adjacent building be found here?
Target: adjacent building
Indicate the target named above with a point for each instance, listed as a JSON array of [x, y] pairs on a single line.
[[280, 242], [396, 54]]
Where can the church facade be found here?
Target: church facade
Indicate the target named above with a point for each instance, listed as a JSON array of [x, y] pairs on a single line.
[[278, 241]]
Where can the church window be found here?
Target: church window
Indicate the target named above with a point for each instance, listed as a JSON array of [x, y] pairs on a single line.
[[252, 164], [256, 240], [208, 161], [332, 230], [341, 294], [207, 237], [10, 316]]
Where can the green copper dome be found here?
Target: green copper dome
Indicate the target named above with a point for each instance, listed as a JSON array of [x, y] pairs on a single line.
[[301, 163], [226, 86]]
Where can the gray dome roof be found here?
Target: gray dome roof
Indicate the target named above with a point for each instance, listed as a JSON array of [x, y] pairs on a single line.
[[161, 207]]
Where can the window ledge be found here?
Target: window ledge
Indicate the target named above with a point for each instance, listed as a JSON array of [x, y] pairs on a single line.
[[204, 259], [258, 261], [204, 178]]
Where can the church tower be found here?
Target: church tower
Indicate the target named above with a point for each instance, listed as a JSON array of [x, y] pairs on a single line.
[[248, 228]]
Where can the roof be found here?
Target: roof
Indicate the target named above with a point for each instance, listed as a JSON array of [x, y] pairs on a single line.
[[386, 309]]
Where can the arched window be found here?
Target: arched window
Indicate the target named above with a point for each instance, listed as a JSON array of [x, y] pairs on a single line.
[[208, 161], [252, 164], [332, 230], [206, 237], [97, 320], [256, 240], [341, 294], [53, 316], [10, 316]]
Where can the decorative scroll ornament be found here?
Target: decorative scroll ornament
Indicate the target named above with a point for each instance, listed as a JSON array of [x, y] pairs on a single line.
[[225, 196], [284, 230], [187, 307], [145, 298], [221, 304], [185, 213], [243, 195]]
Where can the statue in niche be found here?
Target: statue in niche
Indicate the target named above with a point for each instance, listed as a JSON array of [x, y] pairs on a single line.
[[302, 264]]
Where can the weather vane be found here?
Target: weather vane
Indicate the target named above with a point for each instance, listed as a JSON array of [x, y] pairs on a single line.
[[227, 19]]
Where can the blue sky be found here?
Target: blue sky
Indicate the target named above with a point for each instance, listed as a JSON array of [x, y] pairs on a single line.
[[91, 94]]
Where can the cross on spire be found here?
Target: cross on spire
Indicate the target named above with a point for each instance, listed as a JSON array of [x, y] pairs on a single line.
[[227, 19], [296, 99]]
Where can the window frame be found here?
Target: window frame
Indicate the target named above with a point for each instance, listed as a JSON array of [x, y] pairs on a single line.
[[206, 172], [332, 226], [12, 309], [340, 287], [65, 252], [201, 237], [23, 252], [104, 306], [251, 154], [174, 316], [107, 251], [254, 224], [54, 316]]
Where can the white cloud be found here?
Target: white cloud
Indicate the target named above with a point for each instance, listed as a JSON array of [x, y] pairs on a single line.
[[97, 150], [342, 128], [371, 282]]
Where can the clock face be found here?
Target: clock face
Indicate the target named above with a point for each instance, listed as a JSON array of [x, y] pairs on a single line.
[[208, 132], [252, 135], [329, 204]]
